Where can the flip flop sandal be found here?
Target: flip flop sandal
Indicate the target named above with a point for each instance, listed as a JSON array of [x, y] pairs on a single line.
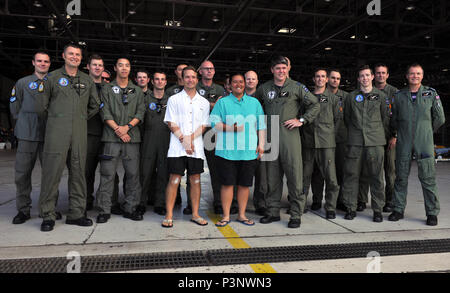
[[169, 223], [199, 221], [246, 222], [222, 223]]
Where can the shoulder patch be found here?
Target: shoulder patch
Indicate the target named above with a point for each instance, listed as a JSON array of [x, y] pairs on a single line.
[[12, 99], [305, 88], [102, 105], [13, 92]]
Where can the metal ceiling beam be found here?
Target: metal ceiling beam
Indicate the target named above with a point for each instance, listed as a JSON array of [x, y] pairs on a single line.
[[345, 27], [242, 11]]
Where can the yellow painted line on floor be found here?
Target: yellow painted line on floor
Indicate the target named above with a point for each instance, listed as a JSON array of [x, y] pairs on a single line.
[[237, 242]]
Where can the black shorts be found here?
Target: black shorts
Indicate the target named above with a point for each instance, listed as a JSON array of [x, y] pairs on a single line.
[[236, 172], [178, 165]]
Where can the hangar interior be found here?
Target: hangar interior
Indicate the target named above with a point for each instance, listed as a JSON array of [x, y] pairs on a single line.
[[237, 35]]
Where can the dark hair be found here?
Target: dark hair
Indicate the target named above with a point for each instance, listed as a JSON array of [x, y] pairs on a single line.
[[236, 73], [334, 69], [321, 68], [41, 51], [160, 72], [143, 71], [278, 60], [122, 58], [381, 65], [73, 45], [94, 57], [189, 67], [365, 67], [413, 65], [107, 71]]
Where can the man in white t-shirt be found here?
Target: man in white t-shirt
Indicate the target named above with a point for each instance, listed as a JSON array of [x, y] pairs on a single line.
[[187, 116]]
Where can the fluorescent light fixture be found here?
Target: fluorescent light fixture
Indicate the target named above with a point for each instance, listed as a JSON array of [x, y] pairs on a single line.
[[269, 45], [166, 47], [287, 30], [327, 48]]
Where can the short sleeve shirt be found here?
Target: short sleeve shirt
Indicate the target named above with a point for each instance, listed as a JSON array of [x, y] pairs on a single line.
[[188, 114], [239, 146]]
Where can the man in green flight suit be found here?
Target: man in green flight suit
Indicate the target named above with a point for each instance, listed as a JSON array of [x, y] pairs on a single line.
[[381, 76], [283, 98], [123, 110], [29, 130], [417, 113], [96, 69], [367, 122], [69, 98], [156, 139], [318, 140]]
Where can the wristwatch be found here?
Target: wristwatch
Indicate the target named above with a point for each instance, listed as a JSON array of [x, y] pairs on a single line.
[[130, 126], [302, 120]]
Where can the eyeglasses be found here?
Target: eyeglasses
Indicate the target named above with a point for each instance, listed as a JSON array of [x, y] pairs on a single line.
[[208, 68], [106, 78]]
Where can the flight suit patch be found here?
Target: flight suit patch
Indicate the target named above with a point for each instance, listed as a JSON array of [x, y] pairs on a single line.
[[305, 88], [102, 105], [33, 85], [202, 92], [152, 106], [426, 94], [12, 99], [323, 100], [41, 87], [177, 90], [271, 95], [359, 98], [284, 94], [13, 92], [116, 89], [372, 97], [63, 82]]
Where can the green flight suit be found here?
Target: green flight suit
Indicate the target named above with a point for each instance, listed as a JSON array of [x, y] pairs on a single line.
[[317, 180], [122, 106], [29, 130], [94, 150], [212, 93], [414, 123], [156, 139], [367, 123], [69, 102], [318, 140], [285, 102], [389, 158]]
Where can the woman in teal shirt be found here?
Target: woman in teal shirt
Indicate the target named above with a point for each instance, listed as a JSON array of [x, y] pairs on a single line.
[[239, 122]]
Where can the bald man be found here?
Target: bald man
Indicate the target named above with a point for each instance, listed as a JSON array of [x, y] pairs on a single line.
[[251, 82]]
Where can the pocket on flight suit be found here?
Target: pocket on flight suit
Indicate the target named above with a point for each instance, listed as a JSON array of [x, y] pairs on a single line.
[[106, 159], [426, 169], [351, 159]]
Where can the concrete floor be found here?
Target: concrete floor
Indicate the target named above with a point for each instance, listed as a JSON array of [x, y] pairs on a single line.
[[123, 236]]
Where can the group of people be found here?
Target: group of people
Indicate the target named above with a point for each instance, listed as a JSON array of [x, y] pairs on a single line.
[[326, 136]]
